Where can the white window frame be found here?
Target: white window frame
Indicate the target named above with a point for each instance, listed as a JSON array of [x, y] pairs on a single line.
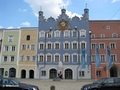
[[55, 55], [68, 45], [81, 33], [92, 36], [67, 34], [114, 34], [49, 55], [101, 58], [93, 47], [103, 47], [22, 47], [77, 57], [76, 33], [4, 60], [68, 57], [43, 45], [115, 58], [55, 45], [35, 58], [114, 44], [21, 56], [6, 46], [49, 33], [10, 38], [31, 47], [85, 44], [10, 58], [93, 59], [47, 45], [26, 58], [40, 34], [85, 58], [102, 35], [72, 45], [12, 47], [57, 31], [39, 57], [98, 73]]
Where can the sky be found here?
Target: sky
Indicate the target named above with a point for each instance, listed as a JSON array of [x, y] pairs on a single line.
[[24, 13]]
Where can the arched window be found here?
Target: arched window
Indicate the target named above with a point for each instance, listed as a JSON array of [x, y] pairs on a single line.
[[28, 37], [114, 35]]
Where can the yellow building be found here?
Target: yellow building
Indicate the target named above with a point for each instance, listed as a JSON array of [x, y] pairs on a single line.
[[27, 53]]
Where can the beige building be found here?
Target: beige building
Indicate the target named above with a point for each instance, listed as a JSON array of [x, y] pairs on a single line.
[[27, 53]]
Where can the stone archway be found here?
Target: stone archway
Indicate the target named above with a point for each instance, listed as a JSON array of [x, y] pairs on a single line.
[[23, 73], [113, 72], [52, 73], [31, 74], [68, 74], [12, 72]]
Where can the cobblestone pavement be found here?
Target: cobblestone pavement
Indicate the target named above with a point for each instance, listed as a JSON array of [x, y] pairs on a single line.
[[59, 85]]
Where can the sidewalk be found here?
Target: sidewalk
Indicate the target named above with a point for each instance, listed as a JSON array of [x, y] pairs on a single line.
[[59, 85]]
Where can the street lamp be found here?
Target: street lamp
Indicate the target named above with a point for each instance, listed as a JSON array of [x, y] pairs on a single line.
[[50, 29], [78, 50]]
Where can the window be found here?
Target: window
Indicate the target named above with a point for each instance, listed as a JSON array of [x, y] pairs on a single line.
[[114, 35], [74, 58], [40, 58], [82, 45], [12, 58], [74, 33], [66, 34], [21, 58], [66, 58], [102, 46], [33, 58], [41, 46], [5, 58], [43, 73], [81, 73], [102, 58], [93, 46], [102, 35], [57, 46], [112, 45], [93, 58], [27, 58], [113, 58], [49, 58], [5, 48], [82, 33], [24, 47], [28, 37], [49, 46], [109, 81], [57, 58], [42, 34], [49, 35], [98, 73], [92, 36], [10, 38], [66, 45], [32, 47], [107, 27], [12, 48], [56, 34], [74, 45]]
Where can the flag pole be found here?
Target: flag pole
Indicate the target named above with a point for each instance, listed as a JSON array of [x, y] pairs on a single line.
[[106, 62], [95, 64]]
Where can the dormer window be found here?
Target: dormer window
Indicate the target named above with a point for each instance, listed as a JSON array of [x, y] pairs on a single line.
[[28, 37]]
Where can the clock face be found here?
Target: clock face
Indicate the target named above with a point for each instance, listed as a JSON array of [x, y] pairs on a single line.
[[62, 23]]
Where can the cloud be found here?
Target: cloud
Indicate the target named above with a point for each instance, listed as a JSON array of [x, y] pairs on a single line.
[[26, 24], [10, 27], [22, 10], [113, 1], [1, 27], [49, 7]]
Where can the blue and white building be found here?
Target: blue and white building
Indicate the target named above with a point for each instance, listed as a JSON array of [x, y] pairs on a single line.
[[60, 43]]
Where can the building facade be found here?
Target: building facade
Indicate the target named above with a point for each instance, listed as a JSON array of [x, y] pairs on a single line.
[[105, 33], [60, 44], [9, 56], [27, 53]]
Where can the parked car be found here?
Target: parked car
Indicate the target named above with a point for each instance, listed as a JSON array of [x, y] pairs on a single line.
[[13, 84], [112, 83]]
